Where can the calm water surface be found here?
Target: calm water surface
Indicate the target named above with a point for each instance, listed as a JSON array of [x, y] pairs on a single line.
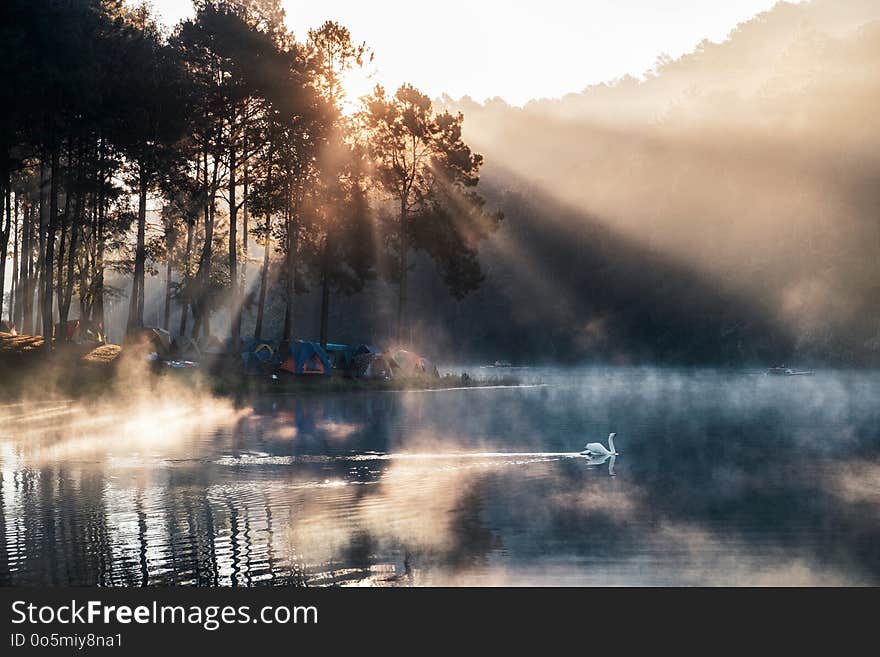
[[723, 478]]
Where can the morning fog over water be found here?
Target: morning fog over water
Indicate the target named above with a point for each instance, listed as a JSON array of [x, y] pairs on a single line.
[[723, 477]]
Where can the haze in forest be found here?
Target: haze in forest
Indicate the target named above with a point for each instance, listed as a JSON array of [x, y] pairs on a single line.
[[725, 202], [722, 206]]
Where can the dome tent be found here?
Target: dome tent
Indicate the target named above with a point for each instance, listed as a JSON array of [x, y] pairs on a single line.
[[306, 358]]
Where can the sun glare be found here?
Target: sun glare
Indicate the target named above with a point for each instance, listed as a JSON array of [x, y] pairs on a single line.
[[356, 83]]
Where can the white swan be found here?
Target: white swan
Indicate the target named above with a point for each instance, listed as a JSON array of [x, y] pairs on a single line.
[[594, 450]]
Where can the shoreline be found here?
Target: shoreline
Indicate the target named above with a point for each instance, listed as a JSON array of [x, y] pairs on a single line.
[[85, 372]]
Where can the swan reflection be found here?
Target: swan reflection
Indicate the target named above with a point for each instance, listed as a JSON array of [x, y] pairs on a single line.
[[601, 460]]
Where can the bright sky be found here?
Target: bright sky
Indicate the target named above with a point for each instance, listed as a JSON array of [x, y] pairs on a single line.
[[515, 49]]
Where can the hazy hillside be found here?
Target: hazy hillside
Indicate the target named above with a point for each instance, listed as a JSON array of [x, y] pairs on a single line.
[[732, 196]]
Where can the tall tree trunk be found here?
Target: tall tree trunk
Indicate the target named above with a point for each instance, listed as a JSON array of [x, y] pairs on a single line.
[[49, 258], [97, 314], [5, 230], [89, 229], [264, 282], [87, 268], [187, 287], [25, 275], [23, 269], [98, 303], [136, 301], [166, 318], [75, 227], [203, 276], [195, 298], [86, 265], [290, 287], [242, 287], [16, 293], [404, 248], [71, 265], [40, 262], [65, 220], [325, 291], [235, 314], [200, 304]]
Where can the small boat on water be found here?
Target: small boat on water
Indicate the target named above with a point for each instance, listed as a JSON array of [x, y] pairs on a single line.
[[498, 364], [782, 370]]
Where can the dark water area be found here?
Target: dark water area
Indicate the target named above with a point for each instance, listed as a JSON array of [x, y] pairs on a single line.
[[723, 478]]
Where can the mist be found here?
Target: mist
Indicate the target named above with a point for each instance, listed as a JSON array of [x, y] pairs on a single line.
[[721, 480], [749, 166]]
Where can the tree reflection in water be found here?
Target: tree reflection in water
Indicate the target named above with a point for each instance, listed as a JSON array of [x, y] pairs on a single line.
[[464, 487]]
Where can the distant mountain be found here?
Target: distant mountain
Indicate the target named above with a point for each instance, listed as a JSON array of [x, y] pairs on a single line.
[[725, 208]]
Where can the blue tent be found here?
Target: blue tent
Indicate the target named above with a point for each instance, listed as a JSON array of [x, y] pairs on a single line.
[[259, 357], [340, 355], [347, 358], [306, 358]]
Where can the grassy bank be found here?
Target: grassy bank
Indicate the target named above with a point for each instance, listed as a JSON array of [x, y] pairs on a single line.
[[70, 370], [27, 369], [250, 385]]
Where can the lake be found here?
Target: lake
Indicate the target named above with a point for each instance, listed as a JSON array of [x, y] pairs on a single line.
[[723, 478]]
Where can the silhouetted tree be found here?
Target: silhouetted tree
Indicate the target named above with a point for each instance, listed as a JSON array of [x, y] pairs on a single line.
[[109, 113], [423, 164], [147, 127], [340, 238]]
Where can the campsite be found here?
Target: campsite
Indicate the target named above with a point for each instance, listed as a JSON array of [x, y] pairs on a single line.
[[83, 364]]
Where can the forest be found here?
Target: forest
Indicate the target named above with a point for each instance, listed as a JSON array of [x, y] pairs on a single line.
[[212, 178], [128, 150]]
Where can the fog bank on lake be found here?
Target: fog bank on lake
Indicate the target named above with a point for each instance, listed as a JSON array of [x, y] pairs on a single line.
[[723, 478]]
